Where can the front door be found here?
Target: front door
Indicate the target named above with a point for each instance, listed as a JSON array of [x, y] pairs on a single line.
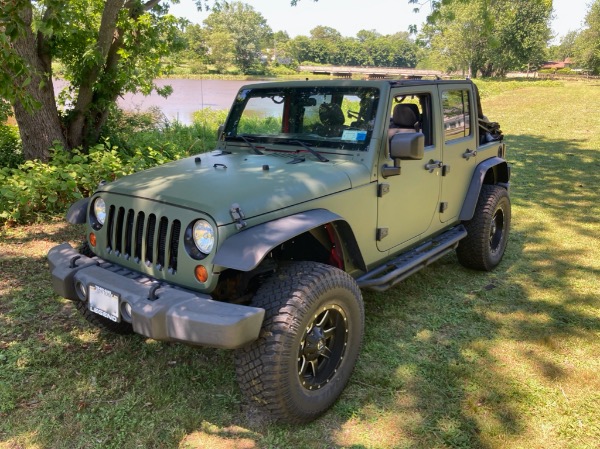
[[409, 201]]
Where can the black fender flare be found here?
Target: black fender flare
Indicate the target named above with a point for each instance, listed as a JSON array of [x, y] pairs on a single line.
[[77, 213], [501, 176], [245, 250]]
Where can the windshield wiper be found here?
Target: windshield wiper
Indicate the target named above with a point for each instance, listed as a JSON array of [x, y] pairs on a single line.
[[254, 148], [312, 150]]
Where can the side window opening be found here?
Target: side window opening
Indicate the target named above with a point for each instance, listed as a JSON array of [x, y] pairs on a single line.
[[412, 113], [457, 119]]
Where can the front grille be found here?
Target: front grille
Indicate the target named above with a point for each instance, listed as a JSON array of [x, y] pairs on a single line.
[[145, 240]]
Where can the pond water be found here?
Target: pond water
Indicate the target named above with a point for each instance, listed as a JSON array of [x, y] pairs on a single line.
[[188, 96]]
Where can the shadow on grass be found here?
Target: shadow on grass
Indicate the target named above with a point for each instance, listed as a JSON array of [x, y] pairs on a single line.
[[430, 373], [431, 355]]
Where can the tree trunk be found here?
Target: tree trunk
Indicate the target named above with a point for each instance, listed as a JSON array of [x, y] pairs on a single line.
[[78, 126], [41, 127], [88, 117]]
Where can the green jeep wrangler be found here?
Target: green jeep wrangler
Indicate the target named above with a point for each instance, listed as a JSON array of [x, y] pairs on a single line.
[[316, 190]]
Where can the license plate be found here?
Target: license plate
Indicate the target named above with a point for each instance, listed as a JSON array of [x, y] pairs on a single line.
[[104, 302]]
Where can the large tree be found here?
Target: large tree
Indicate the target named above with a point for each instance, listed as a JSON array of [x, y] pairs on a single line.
[[488, 36], [587, 45], [106, 48], [565, 49], [245, 30]]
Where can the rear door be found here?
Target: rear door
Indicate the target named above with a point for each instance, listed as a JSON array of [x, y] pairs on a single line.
[[459, 143]]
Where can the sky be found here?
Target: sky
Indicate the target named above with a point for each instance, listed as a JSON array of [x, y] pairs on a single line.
[[351, 16]]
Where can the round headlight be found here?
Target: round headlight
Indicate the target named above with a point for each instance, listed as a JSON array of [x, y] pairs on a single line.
[[204, 236], [100, 210]]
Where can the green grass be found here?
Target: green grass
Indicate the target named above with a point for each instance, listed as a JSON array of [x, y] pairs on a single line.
[[452, 358]]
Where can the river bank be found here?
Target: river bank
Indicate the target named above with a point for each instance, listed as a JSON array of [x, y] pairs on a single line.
[[189, 95]]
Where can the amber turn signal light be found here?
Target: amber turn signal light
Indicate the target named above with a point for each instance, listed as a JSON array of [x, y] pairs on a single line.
[[92, 239], [201, 273]]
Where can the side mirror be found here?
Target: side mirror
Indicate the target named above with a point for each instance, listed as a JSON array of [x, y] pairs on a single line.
[[407, 146], [220, 131]]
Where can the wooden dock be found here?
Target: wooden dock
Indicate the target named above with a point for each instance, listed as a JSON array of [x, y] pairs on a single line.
[[371, 72]]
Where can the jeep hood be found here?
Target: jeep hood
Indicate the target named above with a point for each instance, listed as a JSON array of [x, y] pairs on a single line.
[[258, 183]]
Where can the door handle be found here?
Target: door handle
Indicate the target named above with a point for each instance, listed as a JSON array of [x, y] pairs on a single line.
[[469, 154], [432, 165]]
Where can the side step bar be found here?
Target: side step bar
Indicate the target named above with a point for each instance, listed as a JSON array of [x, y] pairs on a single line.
[[408, 263]]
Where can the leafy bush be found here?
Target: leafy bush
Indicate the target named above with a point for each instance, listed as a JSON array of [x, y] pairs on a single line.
[[132, 142], [282, 70], [11, 150], [36, 189], [130, 131], [206, 122]]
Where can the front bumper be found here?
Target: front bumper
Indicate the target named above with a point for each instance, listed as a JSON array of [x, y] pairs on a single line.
[[166, 313]]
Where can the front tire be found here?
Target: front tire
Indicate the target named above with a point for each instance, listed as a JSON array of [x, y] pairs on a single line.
[[309, 344], [487, 231]]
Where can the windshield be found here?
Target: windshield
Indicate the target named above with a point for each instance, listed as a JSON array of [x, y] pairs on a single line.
[[322, 117]]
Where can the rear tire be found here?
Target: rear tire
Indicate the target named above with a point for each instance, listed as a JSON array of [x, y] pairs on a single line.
[[484, 246], [122, 328], [309, 343]]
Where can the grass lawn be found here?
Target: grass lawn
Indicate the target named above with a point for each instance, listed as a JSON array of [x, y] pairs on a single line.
[[452, 358]]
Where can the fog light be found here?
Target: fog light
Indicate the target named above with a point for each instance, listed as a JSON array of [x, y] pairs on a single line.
[[81, 291], [126, 311], [93, 239], [201, 273]]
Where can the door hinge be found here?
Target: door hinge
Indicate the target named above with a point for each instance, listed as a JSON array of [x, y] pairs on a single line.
[[443, 206], [382, 233], [445, 170], [383, 189]]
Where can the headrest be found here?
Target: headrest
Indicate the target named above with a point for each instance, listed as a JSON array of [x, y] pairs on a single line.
[[331, 114], [405, 115]]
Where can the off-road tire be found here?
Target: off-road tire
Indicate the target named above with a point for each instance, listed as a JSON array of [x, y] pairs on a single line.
[[105, 324], [309, 307], [484, 246]]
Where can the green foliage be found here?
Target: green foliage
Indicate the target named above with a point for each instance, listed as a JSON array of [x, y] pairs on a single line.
[[587, 43], [490, 38], [218, 44], [36, 189], [11, 151], [326, 46], [5, 110], [282, 70], [565, 49], [129, 131], [134, 141], [105, 49], [236, 32]]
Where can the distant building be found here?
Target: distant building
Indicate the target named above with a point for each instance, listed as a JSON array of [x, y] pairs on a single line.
[[558, 65]]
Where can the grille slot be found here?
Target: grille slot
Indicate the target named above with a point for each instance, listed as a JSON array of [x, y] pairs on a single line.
[[149, 240], [149, 256], [119, 231], [129, 233], [173, 246], [110, 228], [162, 242], [139, 236]]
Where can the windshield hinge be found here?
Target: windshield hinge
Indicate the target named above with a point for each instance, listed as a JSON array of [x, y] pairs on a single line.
[[383, 189], [238, 216]]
